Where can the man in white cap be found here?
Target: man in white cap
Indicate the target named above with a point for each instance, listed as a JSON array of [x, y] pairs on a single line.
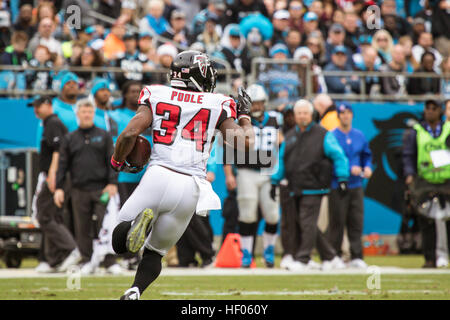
[[280, 26]]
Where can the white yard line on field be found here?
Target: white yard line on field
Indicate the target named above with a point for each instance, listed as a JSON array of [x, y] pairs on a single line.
[[30, 273]]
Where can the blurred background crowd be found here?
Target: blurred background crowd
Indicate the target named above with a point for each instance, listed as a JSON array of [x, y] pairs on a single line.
[[142, 37]]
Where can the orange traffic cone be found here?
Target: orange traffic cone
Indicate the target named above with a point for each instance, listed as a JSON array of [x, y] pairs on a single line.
[[253, 264], [230, 255]]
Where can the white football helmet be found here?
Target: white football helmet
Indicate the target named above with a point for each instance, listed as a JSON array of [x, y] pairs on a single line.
[[257, 93]]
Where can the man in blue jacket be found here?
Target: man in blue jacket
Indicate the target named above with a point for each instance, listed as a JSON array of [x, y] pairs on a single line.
[[348, 210], [340, 84], [306, 160]]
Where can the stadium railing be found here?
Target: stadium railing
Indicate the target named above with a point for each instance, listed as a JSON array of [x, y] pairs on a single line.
[[9, 88], [306, 84]]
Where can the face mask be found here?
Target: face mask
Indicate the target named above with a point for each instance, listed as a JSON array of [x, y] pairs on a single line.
[[254, 37], [256, 114]]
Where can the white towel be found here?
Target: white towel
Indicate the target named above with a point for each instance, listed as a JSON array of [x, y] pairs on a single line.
[[208, 199], [103, 245], [41, 180]]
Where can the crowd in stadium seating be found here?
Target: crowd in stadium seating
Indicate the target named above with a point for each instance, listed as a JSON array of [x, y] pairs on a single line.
[[333, 35]]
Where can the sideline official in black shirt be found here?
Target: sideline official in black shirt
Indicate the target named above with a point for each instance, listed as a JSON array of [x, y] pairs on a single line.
[[86, 153], [60, 250]]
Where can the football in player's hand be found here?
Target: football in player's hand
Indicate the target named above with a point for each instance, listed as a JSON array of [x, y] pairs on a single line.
[[140, 154]]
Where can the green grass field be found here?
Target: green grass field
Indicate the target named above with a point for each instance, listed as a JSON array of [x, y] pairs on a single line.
[[248, 287]]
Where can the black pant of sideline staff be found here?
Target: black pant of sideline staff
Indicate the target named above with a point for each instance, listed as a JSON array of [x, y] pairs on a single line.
[[289, 233], [308, 207], [429, 238], [198, 237], [290, 229], [88, 214], [59, 242], [347, 211]]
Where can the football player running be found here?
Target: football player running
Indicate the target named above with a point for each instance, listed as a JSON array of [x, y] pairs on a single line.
[[183, 119]]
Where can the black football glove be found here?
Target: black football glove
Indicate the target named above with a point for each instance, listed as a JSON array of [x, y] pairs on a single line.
[[343, 188], [244, 103], [126, 167], [273, 192]]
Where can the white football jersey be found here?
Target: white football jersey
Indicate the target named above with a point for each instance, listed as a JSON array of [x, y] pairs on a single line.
[[183, 126]]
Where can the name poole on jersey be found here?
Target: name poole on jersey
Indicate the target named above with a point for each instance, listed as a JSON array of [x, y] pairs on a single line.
[[187, 97]]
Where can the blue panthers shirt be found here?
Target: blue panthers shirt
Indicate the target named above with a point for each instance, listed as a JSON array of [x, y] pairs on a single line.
[[356, 148]]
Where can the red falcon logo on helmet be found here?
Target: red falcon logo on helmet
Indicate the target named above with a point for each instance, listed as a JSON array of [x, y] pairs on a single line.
[[202, 64]]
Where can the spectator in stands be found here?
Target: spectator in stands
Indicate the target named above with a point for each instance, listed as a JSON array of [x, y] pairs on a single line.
[[425, 85], [407, 43], [154, 21], [316, 44], [425, 43], [336, 37], [445, 85], [282, 81], [77, 47], [60, 248], [391, 26], [177, 30], [441, 26], [383, 43], [210, 36], [129, 10], [233, 42], [338, 16], [395, 85], [16, 54], [352, 31], [145, 44], [326, 112], [389, 7], [347, 211], [368, 19], [113, 44], [310, 23], [132, 61], [45, 9], [340, 84], [280, 23], [166, 53], [296, 11], [369, 63], [365, 42], [109, 8], [88, 58], [305, 56], [40, 80], [216, 7], [424, 180], [317, 6], [24, 21], [293, 41], [45, 37], [254, 47], [239, 9], [85, 153], [418, 27]]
